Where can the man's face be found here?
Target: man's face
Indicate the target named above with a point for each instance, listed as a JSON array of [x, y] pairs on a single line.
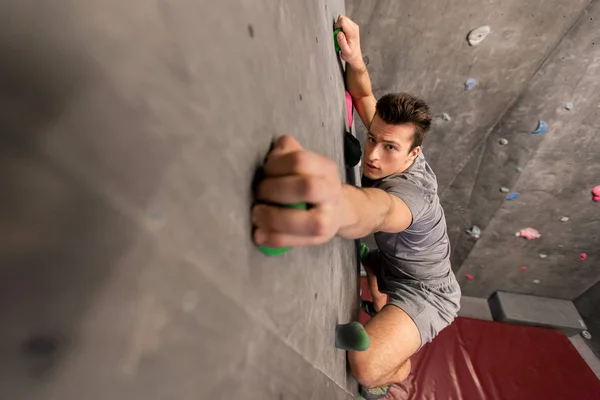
[[387, 149]]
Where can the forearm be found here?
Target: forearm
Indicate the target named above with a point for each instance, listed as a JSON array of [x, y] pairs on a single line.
[[358, 81], [363, 211]]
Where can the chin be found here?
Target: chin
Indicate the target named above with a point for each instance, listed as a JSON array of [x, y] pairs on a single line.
[[371, 175]]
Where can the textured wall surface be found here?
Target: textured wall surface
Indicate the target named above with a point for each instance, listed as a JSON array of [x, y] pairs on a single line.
[[539, 56], [130, 135]]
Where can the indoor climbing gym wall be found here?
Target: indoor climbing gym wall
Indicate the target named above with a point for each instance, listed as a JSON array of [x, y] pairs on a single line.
[[514, 141], [132, 137]]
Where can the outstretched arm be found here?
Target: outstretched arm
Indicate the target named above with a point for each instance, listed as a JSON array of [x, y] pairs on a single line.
[[369, 210], [358, 81], [294, 175]]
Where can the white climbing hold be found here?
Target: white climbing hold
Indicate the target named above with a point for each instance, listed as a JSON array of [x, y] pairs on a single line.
[[543, 255], [503, 142], [475, 232], [477, 35], [564, 219], [446, 117], [569, 106], [536, 281]]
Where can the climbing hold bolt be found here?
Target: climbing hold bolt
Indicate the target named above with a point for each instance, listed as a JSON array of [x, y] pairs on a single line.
[[470, 83], [477, 35], [352, 336], [542, 127], [503, 142], [512, 196], [586, 335]]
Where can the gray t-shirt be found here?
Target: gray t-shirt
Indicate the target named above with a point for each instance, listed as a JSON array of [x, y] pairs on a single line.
[[422, 251]]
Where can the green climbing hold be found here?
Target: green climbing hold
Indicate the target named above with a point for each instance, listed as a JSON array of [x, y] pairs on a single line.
[[352, 336], [364, 250], [274, 251], [335, 33], [519, 169]]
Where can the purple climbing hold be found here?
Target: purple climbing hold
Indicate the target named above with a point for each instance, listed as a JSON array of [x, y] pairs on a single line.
[[470, 83], [512, 196]]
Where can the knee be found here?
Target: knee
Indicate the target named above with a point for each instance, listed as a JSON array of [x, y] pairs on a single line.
[[370, 375], [365, 375]]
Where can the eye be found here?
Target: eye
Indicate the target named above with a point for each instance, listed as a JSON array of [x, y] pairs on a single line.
[[371, 139], [390, 147]]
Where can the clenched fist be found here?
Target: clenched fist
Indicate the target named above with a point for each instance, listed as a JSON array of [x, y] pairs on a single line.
[[349, 40], [294, 175]]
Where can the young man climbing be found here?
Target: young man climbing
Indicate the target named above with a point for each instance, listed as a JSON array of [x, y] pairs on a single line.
[[414, 289]]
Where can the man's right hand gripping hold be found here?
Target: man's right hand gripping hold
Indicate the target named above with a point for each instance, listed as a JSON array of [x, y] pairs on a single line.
[[409, 273]]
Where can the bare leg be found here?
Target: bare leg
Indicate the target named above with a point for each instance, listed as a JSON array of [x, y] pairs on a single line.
[[394, 339]]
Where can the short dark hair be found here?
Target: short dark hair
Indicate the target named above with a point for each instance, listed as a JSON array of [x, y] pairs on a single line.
[[403, 108]]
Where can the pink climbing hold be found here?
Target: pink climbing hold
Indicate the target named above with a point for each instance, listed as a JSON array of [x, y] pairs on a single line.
[[582, 256], [469, 277], [596, 194], [523, 268], [529, 233], [349, 108]]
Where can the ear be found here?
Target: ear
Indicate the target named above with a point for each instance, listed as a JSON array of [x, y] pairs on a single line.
[[414, 153]]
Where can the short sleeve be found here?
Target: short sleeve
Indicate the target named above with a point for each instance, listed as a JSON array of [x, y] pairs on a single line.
[[409, 193]]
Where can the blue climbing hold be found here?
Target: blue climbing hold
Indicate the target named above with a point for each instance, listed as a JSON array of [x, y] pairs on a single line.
[[470, 83], [542, 127], [512, 196]]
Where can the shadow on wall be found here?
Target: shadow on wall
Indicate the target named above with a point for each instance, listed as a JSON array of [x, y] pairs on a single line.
[[58, 239]]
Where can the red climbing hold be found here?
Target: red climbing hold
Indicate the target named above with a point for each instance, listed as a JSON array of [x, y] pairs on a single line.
[[469, 277], [349, 108], [582, 256], [523, 268]]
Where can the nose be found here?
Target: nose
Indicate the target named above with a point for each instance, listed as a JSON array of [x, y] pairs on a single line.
[[372, 154]]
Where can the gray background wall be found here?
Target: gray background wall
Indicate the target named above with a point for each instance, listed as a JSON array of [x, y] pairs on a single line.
[[539, 56]]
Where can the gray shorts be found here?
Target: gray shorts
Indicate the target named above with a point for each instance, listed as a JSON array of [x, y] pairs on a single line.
[[432, 304]]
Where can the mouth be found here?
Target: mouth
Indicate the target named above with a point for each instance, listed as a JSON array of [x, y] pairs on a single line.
[[371, 166]]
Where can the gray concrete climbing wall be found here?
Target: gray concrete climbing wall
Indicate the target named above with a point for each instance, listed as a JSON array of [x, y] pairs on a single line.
[[539, 56], [130, 135]]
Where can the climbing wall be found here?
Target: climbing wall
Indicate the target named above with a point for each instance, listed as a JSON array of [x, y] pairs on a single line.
[[130, 135], [540, 62], [560, 170]]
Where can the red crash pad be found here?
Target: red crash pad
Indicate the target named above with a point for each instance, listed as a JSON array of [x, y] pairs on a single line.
[[477, 360]]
